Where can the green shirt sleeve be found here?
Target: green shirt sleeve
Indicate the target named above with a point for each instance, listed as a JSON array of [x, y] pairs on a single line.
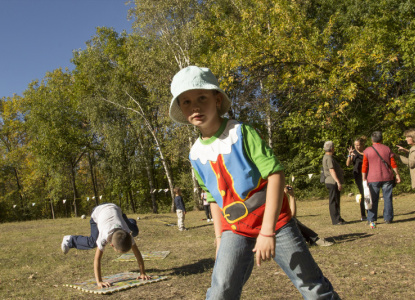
[[259, 153], [209, 197]]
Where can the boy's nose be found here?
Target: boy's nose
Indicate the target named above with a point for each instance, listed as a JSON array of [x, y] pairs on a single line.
[[195, 107]]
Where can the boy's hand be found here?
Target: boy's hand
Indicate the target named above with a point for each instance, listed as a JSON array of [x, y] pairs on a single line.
[[264, 248], [144, 277], [101, 284]]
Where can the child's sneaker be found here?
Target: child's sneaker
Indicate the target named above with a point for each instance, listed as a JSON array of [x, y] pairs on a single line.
[[65, 244], [323, 243], [372, 225]]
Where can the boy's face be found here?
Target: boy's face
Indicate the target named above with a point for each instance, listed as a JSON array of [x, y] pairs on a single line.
[[200, 107]]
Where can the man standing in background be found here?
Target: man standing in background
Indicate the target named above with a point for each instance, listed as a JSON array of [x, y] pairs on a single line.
[[377, 169]]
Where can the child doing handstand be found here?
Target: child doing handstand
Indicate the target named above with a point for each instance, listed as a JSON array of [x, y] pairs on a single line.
[[245, 183], [108, 226]]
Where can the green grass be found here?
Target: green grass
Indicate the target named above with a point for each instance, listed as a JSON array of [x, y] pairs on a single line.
[[363, 263]]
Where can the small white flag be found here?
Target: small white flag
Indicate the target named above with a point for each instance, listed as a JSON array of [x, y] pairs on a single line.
[[195, 190], [64, 201], [160, 190], [292, 178], [100, 197], [93, 197], [33, 204], [87, 198], [152, 191], [14, 206], [166, 190], [310, 175]]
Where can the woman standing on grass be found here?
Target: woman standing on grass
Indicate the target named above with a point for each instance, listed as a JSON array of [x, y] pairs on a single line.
[[355, 157], [410, 160]]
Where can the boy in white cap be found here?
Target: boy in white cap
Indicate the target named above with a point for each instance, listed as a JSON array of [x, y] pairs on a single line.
[[244, 182]]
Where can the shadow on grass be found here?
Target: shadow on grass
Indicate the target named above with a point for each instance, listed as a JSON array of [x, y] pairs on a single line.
[[155, 216], [356, 221], [310, 215], [405, 220], [204, 225], [348, 237], [198, 267], [404, 214]]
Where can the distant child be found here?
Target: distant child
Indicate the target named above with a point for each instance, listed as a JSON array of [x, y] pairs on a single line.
[[244, 182], [180, 208], [206, 206], [108, 226]]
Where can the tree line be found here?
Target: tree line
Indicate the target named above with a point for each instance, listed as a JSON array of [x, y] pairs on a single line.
[[301, 72]]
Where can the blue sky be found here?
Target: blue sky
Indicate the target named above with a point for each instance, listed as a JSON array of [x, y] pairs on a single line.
[[38, 36]]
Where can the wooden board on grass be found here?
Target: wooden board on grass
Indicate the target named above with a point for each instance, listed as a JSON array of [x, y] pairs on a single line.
[[119, 282]]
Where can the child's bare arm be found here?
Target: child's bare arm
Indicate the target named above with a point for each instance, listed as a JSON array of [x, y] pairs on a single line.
[[140, 262], [292, 203], [265, 244], [217, 223], [97, 269]]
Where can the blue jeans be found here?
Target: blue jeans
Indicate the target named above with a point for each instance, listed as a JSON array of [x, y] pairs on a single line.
[[235, 261], [374, 187], [81, 242]]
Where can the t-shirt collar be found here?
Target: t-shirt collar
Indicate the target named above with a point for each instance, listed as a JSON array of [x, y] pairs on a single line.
[[216, 135]]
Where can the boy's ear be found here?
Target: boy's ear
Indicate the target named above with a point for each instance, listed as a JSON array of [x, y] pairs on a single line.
[[219, 99]]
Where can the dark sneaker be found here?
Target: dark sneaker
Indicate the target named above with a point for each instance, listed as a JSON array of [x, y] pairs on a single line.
[[340, 223]]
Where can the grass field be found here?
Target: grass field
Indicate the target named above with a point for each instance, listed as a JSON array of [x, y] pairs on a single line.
[[362, 264]]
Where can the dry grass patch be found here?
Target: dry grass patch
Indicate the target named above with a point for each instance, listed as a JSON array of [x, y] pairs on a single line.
[[363, 264]]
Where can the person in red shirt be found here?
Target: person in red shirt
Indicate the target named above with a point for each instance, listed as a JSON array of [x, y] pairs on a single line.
[[377, 169]]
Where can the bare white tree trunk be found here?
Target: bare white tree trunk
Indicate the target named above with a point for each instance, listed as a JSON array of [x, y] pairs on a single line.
[[149, 171], [156, 141], [269, 125], [267, 115]]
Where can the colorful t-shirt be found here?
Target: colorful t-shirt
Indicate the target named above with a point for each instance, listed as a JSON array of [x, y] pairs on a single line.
[[233, 167]]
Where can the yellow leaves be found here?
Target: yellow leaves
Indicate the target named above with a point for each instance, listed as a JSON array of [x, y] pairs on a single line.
[[393, 58], [390, 116]]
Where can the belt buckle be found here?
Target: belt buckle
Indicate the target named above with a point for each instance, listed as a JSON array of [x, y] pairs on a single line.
[[235, 211]]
